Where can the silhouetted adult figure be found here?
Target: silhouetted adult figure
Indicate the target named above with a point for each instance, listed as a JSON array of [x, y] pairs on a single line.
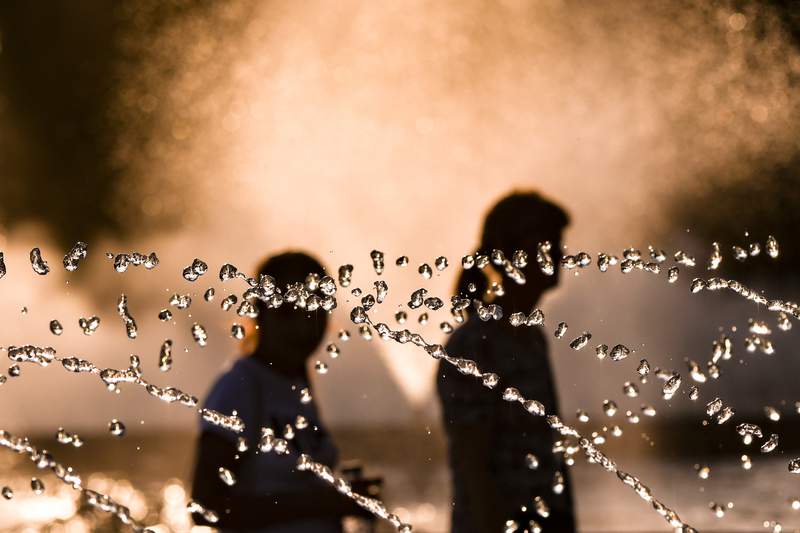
[[489, 439], [264, 388]]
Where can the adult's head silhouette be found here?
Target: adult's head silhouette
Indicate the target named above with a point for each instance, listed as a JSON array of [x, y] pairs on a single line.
[[518, 221]]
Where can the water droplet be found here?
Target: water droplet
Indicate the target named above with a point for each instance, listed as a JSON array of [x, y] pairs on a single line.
[[377, 261], [772, 247], [543, 258], [116, 428], [425, 271], [685, 259], [725, 414], [38, 264], [165, 356], [433, 303], [490, 380], [195, 270], [558, 483], [305, 395], [535, 318], [609, 407], [671, 386], [534, 407], [531, 461], [333, 350], [181, 301], [619, 352], [227, 476], [37, 486], [56, 328], [697, 285], [228, 302], [74, 256], [580, 341], [648, 410], [89, 325], [199, 334], [770, 444], [511, 394], [130, 324], [196, 508], [672, 274], [541, 507], [630, 390], [716, 256]]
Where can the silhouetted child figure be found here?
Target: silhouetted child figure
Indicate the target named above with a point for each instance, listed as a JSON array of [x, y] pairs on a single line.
[[264, 388], [489, 439]]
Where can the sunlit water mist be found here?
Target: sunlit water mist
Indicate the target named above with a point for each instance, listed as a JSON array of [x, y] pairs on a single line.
[[290, 115], [321, 292]]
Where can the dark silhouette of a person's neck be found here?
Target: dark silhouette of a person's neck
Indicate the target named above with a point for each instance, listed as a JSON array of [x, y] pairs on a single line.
[[282, 359]]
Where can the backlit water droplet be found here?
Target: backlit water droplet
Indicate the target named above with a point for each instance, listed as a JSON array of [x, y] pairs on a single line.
[[226, 476], [199, 334], [89, 325], [165, 356], [116, 428], [38, 263], [56, 328], [37, 486], [74, 256]]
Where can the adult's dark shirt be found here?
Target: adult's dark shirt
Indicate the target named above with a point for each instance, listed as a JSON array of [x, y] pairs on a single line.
[[489, 438]]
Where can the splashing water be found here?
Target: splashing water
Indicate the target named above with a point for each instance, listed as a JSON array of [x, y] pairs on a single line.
[[38, 264], [123, 261], [89, 325], [130, 324], [199, 334], [75, 255], [43, 460], [165, 356], [303, 296], [195, 270]]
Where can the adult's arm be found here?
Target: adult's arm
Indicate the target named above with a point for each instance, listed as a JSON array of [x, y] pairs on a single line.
[[215, 451]]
